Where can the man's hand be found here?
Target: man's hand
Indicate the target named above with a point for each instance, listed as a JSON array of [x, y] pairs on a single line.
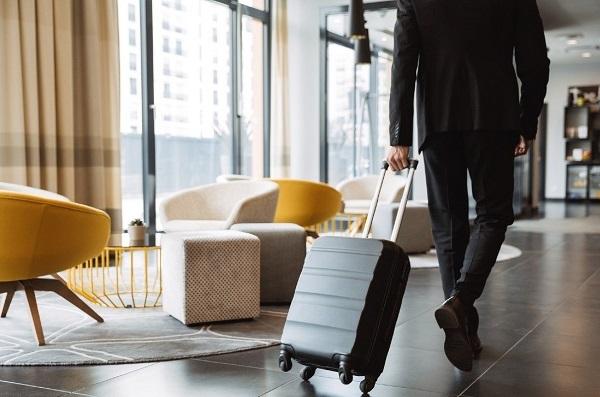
[[523, 146], [397, 158]]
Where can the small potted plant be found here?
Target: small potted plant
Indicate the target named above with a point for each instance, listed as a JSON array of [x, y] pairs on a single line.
[[136, 230]]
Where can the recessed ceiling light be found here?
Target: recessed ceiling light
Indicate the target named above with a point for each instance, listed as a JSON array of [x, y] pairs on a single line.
[[572, 39], [384, 38], [586, 55]]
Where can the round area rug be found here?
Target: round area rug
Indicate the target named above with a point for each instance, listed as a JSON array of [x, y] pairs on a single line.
[[429, 259], [126, 336]]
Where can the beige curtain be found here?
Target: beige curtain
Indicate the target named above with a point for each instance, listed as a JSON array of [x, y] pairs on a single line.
[[280, 132], [59, 101]]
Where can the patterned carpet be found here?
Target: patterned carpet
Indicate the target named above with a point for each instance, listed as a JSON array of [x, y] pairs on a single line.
[[126, 336]]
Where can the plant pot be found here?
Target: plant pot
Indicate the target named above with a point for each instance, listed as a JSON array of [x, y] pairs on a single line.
[[136, 233]]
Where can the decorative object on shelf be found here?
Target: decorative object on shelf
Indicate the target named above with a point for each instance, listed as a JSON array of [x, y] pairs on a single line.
[[357, 20], [136, 230], [127, 274], [584, 95], [577, 122]]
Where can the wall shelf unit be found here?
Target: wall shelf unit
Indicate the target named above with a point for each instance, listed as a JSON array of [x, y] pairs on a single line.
[[582, 152]]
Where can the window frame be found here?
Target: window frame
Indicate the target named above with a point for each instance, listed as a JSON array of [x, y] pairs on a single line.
[[148, 103], [327, 37]]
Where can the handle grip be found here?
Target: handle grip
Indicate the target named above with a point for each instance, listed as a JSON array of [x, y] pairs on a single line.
[[412, 164], [404, 201], [373, 207]]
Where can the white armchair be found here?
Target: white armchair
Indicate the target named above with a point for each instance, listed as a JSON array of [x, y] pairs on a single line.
[[232, 178], [357, 193], [220, 205], [415, 233]]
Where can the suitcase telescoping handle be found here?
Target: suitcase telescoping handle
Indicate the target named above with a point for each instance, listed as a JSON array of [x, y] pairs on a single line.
[[403, 201]]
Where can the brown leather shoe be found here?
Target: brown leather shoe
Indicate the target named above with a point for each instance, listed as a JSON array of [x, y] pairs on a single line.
[[452, 318], [472, 327]]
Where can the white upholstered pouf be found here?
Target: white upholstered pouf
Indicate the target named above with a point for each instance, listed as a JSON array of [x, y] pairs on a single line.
[[211, 276]]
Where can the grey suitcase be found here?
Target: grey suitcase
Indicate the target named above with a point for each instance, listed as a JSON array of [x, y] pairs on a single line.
[[347, 302]]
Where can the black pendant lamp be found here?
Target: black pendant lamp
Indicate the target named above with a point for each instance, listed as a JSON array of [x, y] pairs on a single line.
[[362, 50], [357, 20]]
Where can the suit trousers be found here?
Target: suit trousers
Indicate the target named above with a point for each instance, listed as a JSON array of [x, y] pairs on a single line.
[[466, 256]]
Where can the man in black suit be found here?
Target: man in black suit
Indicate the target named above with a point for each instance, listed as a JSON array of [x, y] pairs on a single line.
[[470, 119]]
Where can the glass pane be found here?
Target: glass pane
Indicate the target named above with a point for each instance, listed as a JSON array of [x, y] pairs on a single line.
[[384, 82], [348, 128], [595, 182], [372, 115], [192, 88], [380, 24], [251, 103], [260, 4], [577, 180], [381, 27], [340, 117], [338, 24], [366, 103], [131, 110]]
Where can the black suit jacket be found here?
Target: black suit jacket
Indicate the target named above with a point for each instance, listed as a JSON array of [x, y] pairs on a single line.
[[464, 52]]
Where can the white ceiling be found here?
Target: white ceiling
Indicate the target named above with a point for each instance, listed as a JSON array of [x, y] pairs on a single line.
[[571, 17], [562, 18]]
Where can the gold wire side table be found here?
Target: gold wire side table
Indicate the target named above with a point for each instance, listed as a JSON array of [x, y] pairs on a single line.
[[343, 224], [127, 274]]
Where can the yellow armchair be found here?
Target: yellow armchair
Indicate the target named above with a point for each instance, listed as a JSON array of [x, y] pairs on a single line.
[[42, 236], [306, 203]]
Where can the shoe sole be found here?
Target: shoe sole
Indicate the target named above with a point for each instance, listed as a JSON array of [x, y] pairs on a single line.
[[456, 346]]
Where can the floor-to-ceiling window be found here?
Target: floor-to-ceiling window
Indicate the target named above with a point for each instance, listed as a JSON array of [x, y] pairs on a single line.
[[356, 99], [207, 70]]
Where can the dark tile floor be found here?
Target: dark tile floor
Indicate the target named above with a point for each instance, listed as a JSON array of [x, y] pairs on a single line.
[[540, 317]]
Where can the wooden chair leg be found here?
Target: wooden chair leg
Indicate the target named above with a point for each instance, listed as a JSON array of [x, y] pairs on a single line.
[[69, 295], [35, 314], [59, 278], [46, 284], [7, 302]]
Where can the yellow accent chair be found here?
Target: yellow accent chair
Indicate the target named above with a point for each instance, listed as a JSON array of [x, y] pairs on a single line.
[[41, 236], [306, 203]]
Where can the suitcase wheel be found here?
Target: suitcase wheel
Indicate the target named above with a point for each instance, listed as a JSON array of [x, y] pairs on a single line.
[[344, 373], [307, 373], [285, 361], [367, 384]]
